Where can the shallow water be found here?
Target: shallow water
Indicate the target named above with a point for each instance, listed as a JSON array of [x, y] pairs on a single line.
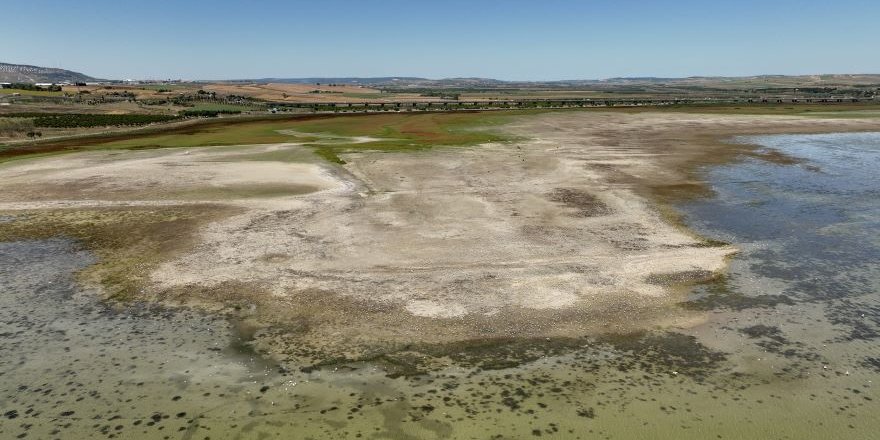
[[790, 348]]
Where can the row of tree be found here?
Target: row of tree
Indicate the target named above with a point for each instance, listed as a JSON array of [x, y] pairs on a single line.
[[35, 88], [96, 120], [208, 113]]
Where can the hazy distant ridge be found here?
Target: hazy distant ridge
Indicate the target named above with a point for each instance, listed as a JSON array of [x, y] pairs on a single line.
[[24, 73], [34, 74], [829, 80]]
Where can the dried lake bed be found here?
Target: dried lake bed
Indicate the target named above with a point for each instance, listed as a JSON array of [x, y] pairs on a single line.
[[783, 344]]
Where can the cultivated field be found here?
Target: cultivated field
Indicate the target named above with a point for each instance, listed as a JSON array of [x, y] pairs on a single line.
[[756, 95], [296, 92]]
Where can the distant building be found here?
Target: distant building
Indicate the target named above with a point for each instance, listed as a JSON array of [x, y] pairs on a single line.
[[5, 85]]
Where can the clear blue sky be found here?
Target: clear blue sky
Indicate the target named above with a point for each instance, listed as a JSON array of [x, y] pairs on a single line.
[[505, 39]]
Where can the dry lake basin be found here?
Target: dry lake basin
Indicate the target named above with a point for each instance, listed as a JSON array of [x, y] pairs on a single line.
[[578, 274]]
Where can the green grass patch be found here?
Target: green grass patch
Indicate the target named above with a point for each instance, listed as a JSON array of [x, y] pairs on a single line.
[[399, 132], [329, 154], [330, 136], [396, 131], [264, 132], [849, 114], [240, 191], [30, 92]]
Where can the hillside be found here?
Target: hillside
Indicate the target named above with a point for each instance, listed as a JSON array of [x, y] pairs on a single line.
[[34, 74], [723, 83]]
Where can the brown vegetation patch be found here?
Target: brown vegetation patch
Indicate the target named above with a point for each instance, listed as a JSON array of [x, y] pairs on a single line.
[[774, 156], [586, 204], [129, 241], [677, 278]]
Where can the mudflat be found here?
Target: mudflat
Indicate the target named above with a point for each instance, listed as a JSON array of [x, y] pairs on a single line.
[[561, 232]]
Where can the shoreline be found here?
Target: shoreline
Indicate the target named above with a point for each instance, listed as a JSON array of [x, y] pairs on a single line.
[[632, 175]]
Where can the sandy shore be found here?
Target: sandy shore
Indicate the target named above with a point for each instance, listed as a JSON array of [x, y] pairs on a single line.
[[562, 233]]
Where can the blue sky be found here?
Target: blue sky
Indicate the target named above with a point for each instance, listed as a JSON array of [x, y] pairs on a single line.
[[512, 39]]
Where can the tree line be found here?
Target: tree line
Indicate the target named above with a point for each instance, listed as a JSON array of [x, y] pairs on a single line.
[[35, 88], [72, 120], [208, 113]]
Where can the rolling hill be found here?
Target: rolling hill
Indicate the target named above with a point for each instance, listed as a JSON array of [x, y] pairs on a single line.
[[23, 73]]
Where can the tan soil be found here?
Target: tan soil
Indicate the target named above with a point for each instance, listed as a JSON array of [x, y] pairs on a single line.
[[302, 93], [292, 92]]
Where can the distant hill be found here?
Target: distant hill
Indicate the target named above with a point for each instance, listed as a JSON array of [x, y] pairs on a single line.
[[23, 73], [343, 80], [720, 82], [34, 74], [402, 81]]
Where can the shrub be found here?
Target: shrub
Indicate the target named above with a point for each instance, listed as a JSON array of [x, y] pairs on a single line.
[[96, 120], [15, 126], [208, 113]]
